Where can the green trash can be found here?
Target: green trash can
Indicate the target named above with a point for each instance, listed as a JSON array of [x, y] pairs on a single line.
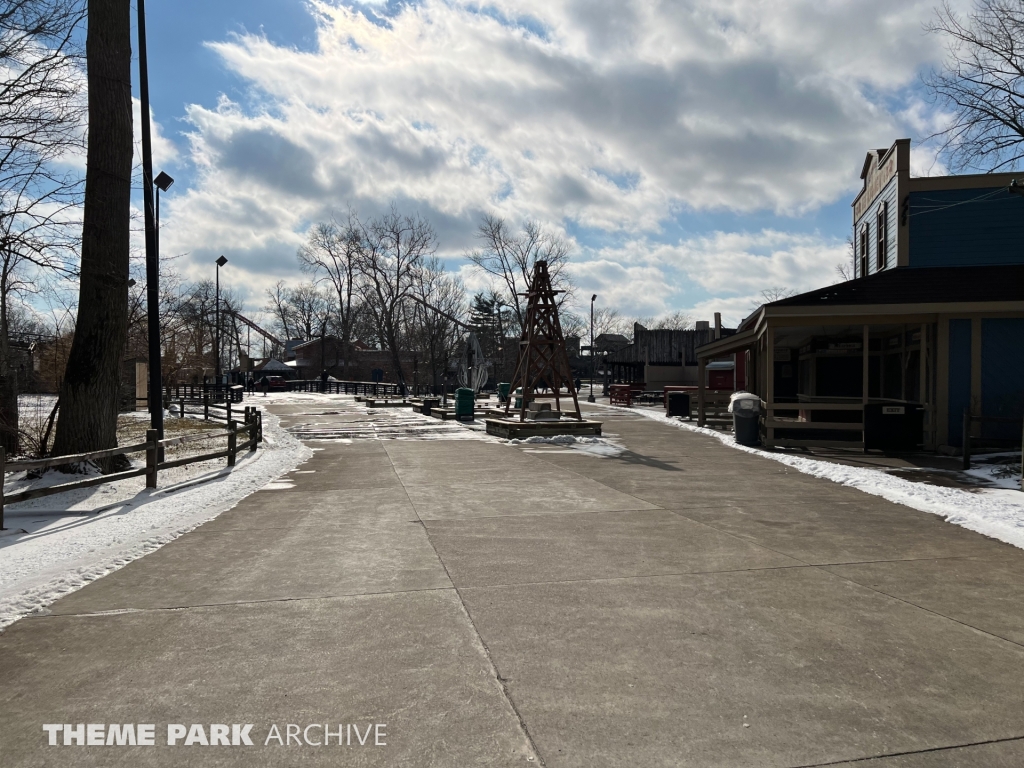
[[519, 397], [503, 390], [465, 400]]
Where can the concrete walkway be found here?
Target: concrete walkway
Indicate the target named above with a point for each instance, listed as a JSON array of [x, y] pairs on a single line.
[[681, 604]]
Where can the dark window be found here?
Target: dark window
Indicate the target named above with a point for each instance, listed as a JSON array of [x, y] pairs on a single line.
[[882, 233], [864, 241]]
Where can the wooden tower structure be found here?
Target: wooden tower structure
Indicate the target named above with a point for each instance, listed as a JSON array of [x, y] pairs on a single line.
[[543, 360]]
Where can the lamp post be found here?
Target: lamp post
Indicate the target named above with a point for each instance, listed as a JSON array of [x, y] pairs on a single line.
[[590, 399], [154, 394], [216, 331]]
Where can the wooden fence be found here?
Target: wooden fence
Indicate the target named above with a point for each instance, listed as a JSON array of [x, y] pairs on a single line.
[[252, 427], [367, 388], [970, 419]]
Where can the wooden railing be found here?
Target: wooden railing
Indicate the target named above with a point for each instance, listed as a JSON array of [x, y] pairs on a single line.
[[970, 420], [366, 388], [770, 421], [252, 427]]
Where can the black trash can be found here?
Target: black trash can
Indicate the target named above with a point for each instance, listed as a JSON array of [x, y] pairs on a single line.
[[746, 414], [679, 404]]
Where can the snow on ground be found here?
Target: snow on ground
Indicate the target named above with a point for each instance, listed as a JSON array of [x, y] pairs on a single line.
[[998, 513], [596, 446], [360, 422], [75, 537]]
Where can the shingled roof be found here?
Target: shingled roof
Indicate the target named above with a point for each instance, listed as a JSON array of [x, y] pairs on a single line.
[[920, 285]]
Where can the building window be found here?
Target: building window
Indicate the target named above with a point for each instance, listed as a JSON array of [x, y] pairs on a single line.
[[882, 233], [864, 241]]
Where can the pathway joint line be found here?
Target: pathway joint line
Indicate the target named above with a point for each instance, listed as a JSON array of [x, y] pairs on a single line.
[[506, 694], [926, 751]]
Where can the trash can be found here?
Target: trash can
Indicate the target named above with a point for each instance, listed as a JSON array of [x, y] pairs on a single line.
[[465, 400], [503, 390], [679, 404], [746, 411]]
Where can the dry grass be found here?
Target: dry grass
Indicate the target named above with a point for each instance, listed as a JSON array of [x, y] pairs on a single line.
[[132, 430]]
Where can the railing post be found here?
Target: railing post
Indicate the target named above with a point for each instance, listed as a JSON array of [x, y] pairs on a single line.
[[206, 407], [183, 407], [152, 452], [232, 442], [967, 438], [3, 468], [259, 426]]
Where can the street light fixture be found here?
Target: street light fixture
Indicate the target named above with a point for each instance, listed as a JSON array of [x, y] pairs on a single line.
[[216, 335], [163, 182], [591, 399]]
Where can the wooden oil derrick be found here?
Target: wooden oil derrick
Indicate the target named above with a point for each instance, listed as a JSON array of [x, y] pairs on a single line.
[[543, 360]]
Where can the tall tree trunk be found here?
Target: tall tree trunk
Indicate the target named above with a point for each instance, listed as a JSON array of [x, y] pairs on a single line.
[[90, 392]]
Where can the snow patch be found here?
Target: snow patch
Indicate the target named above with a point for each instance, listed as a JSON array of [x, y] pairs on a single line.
[[76, 537]]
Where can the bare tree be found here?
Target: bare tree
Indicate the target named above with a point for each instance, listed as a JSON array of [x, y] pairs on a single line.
[[674, 321], [392, 250], [330, 253], [40, 120], [982, 84], [279, 308], [90, 391], [442, 301], [768, 295], [845, 269], [508, 257]]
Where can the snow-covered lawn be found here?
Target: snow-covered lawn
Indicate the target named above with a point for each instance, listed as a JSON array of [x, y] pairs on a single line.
[[75, 537], [995, 512]]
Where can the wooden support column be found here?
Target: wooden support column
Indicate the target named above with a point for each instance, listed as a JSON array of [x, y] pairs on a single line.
[[922, 389], [769, 380], [702, 364], [976, 364], [865, 383]]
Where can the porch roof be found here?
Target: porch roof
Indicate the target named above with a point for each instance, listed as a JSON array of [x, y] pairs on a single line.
[[919, 285]]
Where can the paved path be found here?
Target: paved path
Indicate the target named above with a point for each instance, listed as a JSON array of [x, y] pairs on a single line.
[[680, 604]]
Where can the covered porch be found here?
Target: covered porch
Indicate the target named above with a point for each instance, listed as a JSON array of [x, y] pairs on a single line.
[[832, 368]]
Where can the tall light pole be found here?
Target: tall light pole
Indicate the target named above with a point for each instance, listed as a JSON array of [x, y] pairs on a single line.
[[154, 394], [590, 399], [216, 331]]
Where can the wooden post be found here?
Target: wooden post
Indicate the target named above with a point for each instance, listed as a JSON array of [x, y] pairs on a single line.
[[227, 401], [3, 468], [702, 365], [865, 384], [232, 442], [967, 438], [183, 407], [152, 455], [253, 430], [259, 426], [769, 383], [206, 407]]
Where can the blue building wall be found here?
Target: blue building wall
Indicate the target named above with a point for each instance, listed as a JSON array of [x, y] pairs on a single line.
[[887, 195], [1002, 375], [955, 228], [959, 378]]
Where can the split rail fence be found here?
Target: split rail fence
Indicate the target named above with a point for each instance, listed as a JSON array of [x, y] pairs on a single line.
[[251, 427]]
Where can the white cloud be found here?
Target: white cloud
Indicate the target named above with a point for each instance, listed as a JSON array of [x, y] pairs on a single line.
[[613, 116]]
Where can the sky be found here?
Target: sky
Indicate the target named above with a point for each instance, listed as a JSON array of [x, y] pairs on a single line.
[[694, 152]]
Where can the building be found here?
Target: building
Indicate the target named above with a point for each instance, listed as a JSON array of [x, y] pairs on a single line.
[[662, 357], [931, 327]]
